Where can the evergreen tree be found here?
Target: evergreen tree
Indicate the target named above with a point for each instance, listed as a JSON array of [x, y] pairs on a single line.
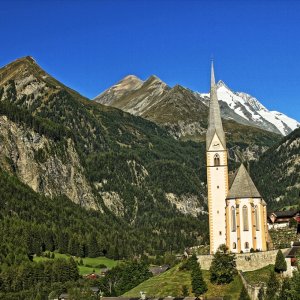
[[198, 284], [93, 249], [280, 263], [244, 294], [74, 274], [285, 290], [272, 287], [295, 285], [223, 266]]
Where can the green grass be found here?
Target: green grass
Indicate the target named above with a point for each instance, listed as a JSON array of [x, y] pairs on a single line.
[[171, 282], [83, 270], [258, 276]]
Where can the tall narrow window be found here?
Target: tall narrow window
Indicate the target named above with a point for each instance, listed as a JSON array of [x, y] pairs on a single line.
[[233, 219], [233, 245], [217, 160], [245, 218], [256, 213], [246, 245]]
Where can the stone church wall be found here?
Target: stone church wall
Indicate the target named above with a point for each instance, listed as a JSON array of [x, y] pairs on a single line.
[[245, 261]]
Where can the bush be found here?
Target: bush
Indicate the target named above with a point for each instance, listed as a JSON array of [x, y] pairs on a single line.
[[280, 263], [101, 266]]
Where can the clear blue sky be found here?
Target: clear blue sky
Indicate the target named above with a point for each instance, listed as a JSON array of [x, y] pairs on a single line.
[[90, 45]]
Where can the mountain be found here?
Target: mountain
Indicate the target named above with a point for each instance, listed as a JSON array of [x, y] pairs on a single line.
[[184, 114], [251, 110], [61, 144], [182, 111], [276, 172]]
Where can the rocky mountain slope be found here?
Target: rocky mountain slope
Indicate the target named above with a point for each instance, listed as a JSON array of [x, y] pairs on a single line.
[[276, 173], [175, 107], [62, 144]]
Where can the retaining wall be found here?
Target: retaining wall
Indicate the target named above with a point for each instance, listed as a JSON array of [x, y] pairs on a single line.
[[245, 261]]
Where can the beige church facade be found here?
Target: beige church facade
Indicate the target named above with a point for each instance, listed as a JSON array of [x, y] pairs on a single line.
[[237, 213]]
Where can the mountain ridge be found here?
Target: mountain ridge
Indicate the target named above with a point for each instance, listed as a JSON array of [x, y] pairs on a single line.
[[241, 107]]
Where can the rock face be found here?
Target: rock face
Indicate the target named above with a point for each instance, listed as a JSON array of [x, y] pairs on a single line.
[[187, 204], [60, 143], [38, 162]]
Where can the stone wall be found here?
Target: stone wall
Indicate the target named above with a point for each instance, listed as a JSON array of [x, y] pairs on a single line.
[[245, 261], [252, 290]]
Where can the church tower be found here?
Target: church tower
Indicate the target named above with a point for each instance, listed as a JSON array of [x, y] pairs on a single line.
[[217, 170]]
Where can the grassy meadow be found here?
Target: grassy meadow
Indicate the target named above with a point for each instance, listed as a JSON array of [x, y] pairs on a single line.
[[172, 281], [258, 276], [89, 266]]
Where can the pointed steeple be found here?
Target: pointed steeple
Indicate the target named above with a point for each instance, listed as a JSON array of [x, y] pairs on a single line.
[[214, 121]]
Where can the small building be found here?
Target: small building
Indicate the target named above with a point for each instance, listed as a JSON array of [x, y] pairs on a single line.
[[281, 219], [63, 296], [156, 270], [103, 271], [291, 258]]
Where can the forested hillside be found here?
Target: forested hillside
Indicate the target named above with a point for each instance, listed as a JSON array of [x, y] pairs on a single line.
[[276, 173], [64, 145]]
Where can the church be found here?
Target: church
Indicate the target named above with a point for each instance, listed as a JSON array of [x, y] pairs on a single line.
[[237, 212]]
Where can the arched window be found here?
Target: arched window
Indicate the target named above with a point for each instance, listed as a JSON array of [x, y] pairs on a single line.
[[246, 245], [256, 213], [233, 245], [216, 159], [245, 218], [233, 219]]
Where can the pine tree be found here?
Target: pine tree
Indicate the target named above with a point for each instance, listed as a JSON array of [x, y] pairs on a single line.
[[93, 250], [198, 284], [280, 263], [272, 287], [74, 274], [285, 291], [223, 266], [244, 294]]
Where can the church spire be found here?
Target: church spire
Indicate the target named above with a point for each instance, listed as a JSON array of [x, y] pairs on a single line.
[[214, 122]]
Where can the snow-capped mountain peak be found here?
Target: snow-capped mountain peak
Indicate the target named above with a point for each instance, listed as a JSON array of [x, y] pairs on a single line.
[[252, 111]]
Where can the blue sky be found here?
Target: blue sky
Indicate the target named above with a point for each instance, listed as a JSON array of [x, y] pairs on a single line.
[[90, 45]]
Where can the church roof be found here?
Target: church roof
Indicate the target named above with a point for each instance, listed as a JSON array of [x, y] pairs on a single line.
[[214, 121], [243, 186]]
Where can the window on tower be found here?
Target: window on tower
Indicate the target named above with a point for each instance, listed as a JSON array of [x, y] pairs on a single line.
[[216, 160], [234, 246], [256, 213], [245, 218], [233, 219]]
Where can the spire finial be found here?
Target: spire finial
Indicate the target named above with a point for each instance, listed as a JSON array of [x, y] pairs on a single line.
[[212, 80]]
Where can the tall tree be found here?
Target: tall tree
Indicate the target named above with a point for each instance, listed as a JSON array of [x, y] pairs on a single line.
[[223, 266], [198, 284]]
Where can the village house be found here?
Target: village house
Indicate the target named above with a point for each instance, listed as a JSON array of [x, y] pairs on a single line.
[[282, 219]]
